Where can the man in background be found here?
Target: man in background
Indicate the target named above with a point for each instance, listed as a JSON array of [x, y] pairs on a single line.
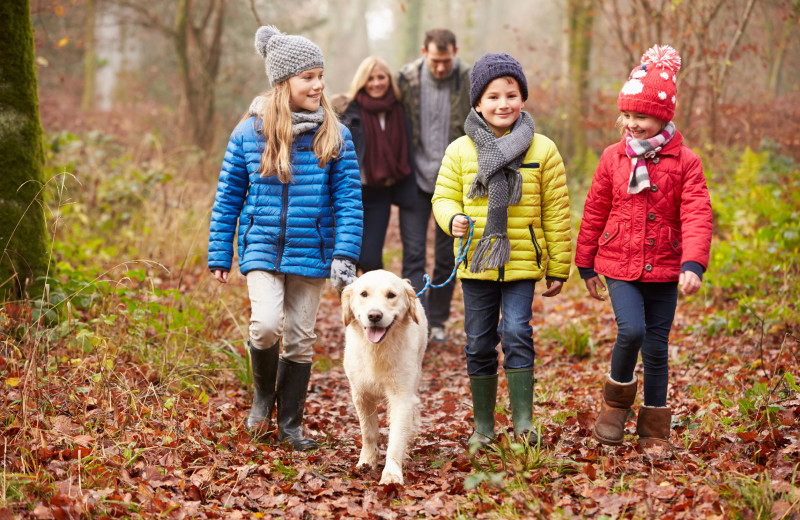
[[435, 91]]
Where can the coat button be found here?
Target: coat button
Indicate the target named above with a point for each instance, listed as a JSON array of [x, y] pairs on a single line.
[[674, 243], [650, 241], [656, 160], [651, 216], [654, 188], [648, 267], [605, 235]]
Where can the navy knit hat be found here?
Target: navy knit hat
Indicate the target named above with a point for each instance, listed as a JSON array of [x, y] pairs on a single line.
[[490, 67]]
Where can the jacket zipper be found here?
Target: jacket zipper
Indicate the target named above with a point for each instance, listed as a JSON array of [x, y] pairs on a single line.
[[247, 232], [282, 237], [536, 247], [321, 241]]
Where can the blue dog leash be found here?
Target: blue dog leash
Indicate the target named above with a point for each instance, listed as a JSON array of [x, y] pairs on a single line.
[[462, 255]]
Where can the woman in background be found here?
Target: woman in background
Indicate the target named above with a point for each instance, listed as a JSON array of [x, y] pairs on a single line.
[[381, 138]]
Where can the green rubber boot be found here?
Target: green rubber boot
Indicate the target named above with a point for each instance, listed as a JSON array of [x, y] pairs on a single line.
[[484, 396], [520, 393]]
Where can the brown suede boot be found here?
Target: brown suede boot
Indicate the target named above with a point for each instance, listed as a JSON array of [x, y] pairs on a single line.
[[652, 426], [609, 428]]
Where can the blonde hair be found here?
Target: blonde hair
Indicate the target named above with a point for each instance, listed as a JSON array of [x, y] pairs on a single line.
[[363, 72], [276, 116]]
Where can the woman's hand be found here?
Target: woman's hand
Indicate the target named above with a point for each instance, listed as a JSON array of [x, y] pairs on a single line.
[[689, 282], [553, 288], [220, 275], [459, 226], [595, 287]]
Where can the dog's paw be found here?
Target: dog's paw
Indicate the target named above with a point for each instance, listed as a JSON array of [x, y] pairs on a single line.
[[365, 464], [389, 476]]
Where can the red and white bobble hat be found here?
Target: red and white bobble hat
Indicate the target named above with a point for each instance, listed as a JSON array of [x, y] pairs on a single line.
[[651, 88]]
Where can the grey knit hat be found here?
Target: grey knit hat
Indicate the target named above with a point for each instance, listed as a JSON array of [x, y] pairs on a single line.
[[490, 67], [286, 55]]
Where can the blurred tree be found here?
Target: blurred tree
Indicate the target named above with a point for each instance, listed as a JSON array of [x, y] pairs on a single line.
[[22, 223], [195, 29], [779, 41], [580, 21], [89, 56], [410, 41]]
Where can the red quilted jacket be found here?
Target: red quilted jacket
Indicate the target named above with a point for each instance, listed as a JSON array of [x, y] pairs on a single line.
[[649, 235]]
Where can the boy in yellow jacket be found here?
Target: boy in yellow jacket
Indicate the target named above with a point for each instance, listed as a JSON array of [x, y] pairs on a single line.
[[510, 181]]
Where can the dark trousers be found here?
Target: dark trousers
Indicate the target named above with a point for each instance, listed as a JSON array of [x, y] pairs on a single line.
[[414, 221], [484, 302], [377, 204], [644, 312]]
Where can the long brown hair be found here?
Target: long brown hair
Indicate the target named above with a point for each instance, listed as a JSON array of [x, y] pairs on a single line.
[[277, 129]]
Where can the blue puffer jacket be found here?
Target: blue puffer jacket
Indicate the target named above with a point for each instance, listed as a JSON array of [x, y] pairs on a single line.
[[295, 228]]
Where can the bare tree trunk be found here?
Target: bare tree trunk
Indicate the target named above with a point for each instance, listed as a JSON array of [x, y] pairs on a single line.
[[580, 16], [22, 223], [411, 40], [89, 56]]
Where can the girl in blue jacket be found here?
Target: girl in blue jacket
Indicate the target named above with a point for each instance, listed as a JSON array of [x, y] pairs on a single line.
[[290, 188]]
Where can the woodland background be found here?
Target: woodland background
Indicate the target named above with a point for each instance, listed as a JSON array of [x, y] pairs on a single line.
[[123, 372]]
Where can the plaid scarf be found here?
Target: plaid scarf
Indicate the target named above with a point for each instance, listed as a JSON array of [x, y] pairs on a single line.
[[639, 150], [499, 159]]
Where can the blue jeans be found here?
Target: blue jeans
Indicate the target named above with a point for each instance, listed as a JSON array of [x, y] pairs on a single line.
[[414, 223], [644, 313], [484, 302]]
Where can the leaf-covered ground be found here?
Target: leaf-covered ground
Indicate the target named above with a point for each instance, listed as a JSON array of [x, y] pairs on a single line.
[[98, 436]]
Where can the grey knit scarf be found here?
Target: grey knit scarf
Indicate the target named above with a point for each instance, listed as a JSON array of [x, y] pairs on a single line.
[[498, 178], [304, 120]]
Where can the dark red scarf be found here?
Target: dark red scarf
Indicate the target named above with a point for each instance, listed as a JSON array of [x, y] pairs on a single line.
[[386, 154]]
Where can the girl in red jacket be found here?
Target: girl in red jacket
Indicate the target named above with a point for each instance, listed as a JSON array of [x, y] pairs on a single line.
[[647, 228]]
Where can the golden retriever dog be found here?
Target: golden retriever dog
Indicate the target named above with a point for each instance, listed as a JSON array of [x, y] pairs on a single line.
[[385, 339]]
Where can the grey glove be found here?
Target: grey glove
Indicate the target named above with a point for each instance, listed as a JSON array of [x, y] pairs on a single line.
[[343, 272]]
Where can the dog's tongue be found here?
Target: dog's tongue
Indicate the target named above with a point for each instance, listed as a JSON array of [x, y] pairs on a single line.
[[375, 334]]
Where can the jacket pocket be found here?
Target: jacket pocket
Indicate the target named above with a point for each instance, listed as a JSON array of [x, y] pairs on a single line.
[[247, 232], [671, 244], [611, 240], [536, 246], [321, 241]]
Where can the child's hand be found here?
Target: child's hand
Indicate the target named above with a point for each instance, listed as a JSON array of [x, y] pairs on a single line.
[[553, 288], [460, 225], [690, 283], [221, 276], [595, 287]]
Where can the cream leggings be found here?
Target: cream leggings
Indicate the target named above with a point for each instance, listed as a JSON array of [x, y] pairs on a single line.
[[284, 306]]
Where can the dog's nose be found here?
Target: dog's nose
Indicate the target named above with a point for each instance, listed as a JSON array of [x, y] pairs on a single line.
[[375, 315]]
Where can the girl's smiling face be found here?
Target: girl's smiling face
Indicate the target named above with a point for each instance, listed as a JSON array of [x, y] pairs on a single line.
[[641, 126], [305, 90]]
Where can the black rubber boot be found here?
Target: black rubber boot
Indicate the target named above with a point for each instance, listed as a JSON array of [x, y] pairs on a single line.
[[265, 369], [484, 396], [292, 388], [520, 393]]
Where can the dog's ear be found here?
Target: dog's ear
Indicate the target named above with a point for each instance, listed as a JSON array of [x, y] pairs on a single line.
[[347, 311], [411, 300]]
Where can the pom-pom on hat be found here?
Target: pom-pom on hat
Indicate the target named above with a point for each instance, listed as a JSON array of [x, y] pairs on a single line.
[[651, 88], [286, 55], [490, 67]]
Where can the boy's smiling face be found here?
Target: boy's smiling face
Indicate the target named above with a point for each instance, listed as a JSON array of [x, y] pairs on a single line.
[[501, 104]]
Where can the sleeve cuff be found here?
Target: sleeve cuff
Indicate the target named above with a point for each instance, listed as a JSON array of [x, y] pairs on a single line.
[[556, 279], [587, 272], [694, 267]]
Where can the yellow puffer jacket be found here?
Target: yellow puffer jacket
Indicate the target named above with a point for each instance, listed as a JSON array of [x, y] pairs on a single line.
[[538, 227]]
